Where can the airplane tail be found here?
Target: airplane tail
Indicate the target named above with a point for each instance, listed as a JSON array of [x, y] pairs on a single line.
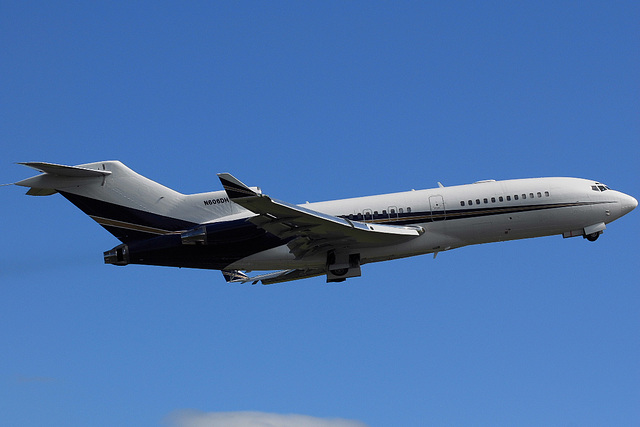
[[128, 205]]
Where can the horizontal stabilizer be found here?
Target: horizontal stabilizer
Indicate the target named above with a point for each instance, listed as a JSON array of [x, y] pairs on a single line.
[[56, 177], [62, 170]]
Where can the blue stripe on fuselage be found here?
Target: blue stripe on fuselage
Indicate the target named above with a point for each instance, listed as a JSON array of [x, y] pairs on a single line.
[[127, 224]]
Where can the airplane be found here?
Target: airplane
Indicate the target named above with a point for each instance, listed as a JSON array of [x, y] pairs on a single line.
[[240, 229]]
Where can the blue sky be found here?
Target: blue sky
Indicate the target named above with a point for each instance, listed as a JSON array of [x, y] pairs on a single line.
[[317, 101]]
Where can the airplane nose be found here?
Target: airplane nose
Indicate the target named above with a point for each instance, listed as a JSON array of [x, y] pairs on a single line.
[[628, 204]]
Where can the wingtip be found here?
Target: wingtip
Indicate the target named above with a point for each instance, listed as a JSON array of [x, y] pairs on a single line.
[[235, 188]]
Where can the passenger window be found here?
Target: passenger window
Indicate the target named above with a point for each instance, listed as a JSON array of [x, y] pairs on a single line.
[[539, 194], [350, 216], [384, 212], [470, 202], [515, 197], [531, 195], [546, 193], [493, 200], [486, 200], [392, 211], [508, 198], [462, 203], [375, 213], [408, 210], [400, 210], [501, 199], [477, 201]]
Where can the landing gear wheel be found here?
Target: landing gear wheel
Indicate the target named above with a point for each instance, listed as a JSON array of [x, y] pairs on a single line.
[[592, 237], [340, 271]]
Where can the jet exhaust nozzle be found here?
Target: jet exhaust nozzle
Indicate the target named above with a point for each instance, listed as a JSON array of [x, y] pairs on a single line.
[[117, 256]]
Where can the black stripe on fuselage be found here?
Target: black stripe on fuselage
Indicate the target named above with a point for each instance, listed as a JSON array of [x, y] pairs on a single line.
[[433, 216]]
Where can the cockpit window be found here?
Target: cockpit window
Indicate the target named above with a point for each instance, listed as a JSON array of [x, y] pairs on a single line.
[[599, 187], [602, 187]]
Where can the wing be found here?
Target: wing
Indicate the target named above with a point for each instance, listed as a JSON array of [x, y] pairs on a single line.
[[309, 231]]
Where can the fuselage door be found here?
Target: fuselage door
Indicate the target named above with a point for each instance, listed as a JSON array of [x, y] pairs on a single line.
[[438, 212]]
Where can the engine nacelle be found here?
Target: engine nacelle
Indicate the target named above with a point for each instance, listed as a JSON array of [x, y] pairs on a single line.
[[221, 233]]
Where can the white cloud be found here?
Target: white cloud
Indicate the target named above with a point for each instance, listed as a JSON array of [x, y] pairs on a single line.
[[192, 418]]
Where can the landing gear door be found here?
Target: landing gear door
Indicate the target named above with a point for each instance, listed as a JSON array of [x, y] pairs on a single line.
[[438, 212]]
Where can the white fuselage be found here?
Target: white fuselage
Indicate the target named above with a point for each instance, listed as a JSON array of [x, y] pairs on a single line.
[[483, 212]]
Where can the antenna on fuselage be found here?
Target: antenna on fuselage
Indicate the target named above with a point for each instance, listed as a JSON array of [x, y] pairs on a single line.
[[440, 184]]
